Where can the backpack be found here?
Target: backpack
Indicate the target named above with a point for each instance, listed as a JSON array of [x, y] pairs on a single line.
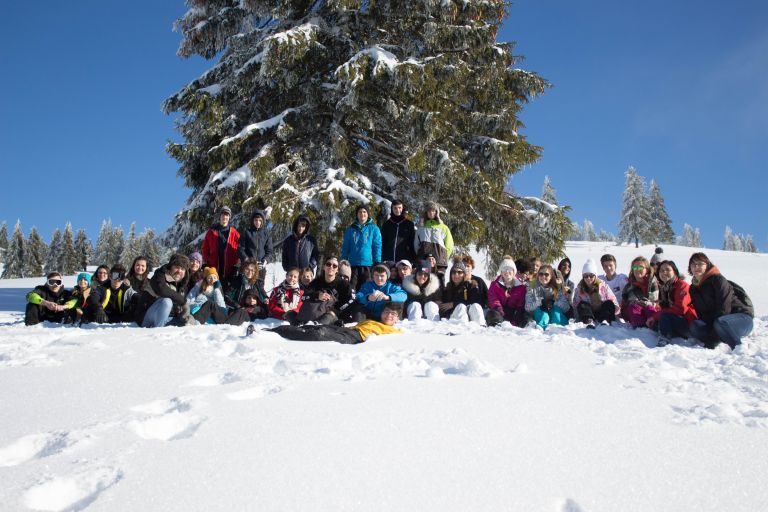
[[741, 294]]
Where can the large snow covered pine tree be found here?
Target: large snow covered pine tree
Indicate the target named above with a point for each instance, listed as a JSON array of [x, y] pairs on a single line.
[[317, 106], [634, 221]]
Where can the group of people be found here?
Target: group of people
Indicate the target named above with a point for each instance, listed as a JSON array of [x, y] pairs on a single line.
[[388, 271]]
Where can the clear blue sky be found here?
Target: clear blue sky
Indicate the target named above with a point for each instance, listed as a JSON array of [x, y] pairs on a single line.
[[676, 89]]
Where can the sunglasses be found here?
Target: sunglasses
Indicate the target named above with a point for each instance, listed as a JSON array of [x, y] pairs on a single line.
[[544, 274], [54, 282], [638, 267], [589, 276], [331, 265]]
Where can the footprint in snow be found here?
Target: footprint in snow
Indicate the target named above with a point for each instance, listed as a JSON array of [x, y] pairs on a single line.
[[254, 393], [568, 505], [213, 379], [169, 420], [71, 493], [35, 446]]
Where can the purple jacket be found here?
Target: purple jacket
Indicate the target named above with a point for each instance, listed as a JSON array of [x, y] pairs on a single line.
[[506, 299]]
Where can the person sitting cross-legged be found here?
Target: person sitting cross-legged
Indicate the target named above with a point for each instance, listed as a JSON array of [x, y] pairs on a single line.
[[47, 302], [390, 314]]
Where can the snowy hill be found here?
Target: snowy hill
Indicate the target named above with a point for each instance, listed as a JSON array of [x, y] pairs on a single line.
[[444, 417]]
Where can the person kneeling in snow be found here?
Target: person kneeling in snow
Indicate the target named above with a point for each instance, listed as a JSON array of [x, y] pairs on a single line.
[[346, 335]]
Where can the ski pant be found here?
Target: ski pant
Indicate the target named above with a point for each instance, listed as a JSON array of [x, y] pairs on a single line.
[[727, 328], [552, 316], [343, 335], [35, 313], [429, 310], [672, 326], [471, 313], [607, 312], [638, 314]]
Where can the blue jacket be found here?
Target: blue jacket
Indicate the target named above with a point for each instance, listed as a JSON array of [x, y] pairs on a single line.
[[374, 309], [362, 244]]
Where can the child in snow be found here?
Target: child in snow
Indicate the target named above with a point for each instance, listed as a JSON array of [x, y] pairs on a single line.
[[461, 298], [640, 296], [593, 300], [676, 311], [616, 282], [424, 292], [306, 277], [506, 296], [285, 299], [206, 299], [545, 300]]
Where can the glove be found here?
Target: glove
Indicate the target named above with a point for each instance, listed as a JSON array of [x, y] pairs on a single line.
[[547, 304]]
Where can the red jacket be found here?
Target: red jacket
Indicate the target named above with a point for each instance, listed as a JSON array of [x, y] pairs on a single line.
[[679, 302], [276, 309], [210, 250]]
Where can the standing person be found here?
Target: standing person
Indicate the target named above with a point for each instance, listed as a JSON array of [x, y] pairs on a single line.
[[350, 336], [87, 302], [300, 248], [361, 246], [256, 244], [593, 300], [397, 235], [220, 245], [616, 282], [469, 264], [676, 311], [119, 305], [47, 302], [434, 237], [640, 297], [285, 299], [725, 311], [377, 291], [506, 296], [163, 301], [545, 299], [461, 300], [138, 274], [424, 293]]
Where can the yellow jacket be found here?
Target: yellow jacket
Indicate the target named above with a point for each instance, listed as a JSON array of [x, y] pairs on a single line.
[[368, 327]]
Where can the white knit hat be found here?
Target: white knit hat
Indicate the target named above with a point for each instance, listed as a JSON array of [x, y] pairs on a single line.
[[590, 267], [507, 264]]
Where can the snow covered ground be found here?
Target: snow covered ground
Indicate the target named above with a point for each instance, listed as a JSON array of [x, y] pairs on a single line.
[[444, 417]]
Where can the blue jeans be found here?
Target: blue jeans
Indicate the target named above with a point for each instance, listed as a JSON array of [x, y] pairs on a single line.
[[554, 316], [158, 314], [727, 328], [673, 326]]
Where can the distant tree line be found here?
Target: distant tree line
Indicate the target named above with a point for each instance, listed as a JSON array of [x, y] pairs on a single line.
[[68, 253]]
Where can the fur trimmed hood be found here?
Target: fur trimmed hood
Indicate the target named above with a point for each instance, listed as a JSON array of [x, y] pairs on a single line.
[[411, 287]]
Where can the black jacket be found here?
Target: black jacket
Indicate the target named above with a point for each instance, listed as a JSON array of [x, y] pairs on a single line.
[[256, 244], [46, 294], [467, 292], [714, 298], [162, 285], [397, 234], [338, 288], [300, 251]]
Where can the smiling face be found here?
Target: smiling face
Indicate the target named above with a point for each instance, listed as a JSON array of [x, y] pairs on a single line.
[[397, 210], [457, 276], [666, 273], [362, 215], [698, 268], [140, 267], [249, 271], [422, 278], [609, 267], [389, 317], [403, 270], [639, 270], [82, 284], [177, 272], [331, 269], [258, 222], [508, 275], [224, 219], [102, 274], [545, 276], [292, 277], [306, 277], [432, 213]]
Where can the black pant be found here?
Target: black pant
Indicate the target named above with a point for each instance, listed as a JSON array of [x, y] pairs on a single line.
[[34, 314], [319, 333], [607, 311], [359, 276]]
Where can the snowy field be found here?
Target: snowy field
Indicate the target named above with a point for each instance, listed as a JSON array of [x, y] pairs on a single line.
[[444, 417]]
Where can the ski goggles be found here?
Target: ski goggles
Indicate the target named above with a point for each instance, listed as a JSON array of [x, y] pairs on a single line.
[[54, 282]]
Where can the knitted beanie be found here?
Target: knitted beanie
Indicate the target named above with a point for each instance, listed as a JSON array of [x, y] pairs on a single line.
[[590, 267]]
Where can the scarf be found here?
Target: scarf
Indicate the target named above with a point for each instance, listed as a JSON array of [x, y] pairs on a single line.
[[287, 303]]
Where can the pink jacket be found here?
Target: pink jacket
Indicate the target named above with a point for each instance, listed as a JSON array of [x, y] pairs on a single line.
[[501, 297], [605, 294]]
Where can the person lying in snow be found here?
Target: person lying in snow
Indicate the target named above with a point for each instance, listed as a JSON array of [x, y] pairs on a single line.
[[346, 335]]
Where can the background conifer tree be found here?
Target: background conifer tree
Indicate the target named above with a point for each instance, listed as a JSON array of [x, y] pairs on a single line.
[[588, 231], [315, 107], [83, 249], [548, 191], [14, 257], [3, 241], [69, 260], [116, 246], [53, 260], [103, 249], [150, 248], [691, 237], [35, 254], [634, 222], [660, 225]]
